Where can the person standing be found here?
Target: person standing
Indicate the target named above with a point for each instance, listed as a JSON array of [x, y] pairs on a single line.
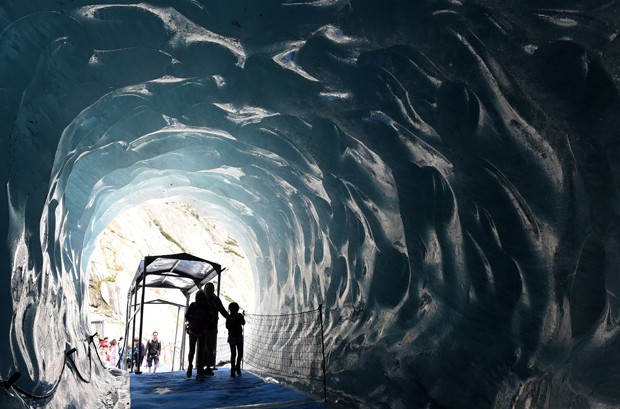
[[129, 357], [199, 315], [103, 349], [153, 350], [113, 353], [137, 354], [122, 351], [235, 323], [216, 305]]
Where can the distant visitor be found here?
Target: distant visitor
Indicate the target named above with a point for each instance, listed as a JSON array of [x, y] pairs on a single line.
[[153, 350], [137, 354]]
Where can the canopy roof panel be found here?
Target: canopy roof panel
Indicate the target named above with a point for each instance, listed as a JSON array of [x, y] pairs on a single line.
[[182, 271]]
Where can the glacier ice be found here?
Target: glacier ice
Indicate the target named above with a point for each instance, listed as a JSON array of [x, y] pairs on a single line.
[[441, 175]]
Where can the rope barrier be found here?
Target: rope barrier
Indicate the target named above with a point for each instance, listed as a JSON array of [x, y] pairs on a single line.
[[90, 366], [289, 345], [49, 393], [68, 356]]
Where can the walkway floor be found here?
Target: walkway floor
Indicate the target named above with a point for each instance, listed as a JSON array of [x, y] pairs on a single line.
[[175, 390]]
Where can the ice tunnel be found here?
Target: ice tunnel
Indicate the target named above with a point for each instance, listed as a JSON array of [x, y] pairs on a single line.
[[441, 175]]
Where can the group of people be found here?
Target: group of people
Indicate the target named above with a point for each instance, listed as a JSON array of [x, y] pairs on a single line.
[[138, 351], [202, 322], [108, 351], [202, 318]]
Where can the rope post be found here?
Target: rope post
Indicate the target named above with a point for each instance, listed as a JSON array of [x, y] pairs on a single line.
[[90, 358], [11, 381], [69, 356], [92, 337], [323, 351]]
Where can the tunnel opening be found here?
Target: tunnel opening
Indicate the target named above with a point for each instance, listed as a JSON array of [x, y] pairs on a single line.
[[153, 227]]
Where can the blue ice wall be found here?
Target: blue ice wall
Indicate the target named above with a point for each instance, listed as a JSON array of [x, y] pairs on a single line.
[[441, 175]]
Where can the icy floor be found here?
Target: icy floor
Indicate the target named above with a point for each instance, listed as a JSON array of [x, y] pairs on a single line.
[[175, 390]]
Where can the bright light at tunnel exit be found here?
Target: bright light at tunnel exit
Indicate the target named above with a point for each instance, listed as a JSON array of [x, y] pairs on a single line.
[[157, 228]]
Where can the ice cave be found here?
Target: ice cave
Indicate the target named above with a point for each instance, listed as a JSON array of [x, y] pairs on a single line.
[[441, 175]]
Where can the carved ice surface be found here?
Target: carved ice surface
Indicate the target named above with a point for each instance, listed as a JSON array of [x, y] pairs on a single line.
[[441, 175]]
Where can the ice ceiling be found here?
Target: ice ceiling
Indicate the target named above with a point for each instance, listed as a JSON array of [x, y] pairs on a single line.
[[441, 175]]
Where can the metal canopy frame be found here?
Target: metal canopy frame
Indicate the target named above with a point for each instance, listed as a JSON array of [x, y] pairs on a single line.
[[181, 271]]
